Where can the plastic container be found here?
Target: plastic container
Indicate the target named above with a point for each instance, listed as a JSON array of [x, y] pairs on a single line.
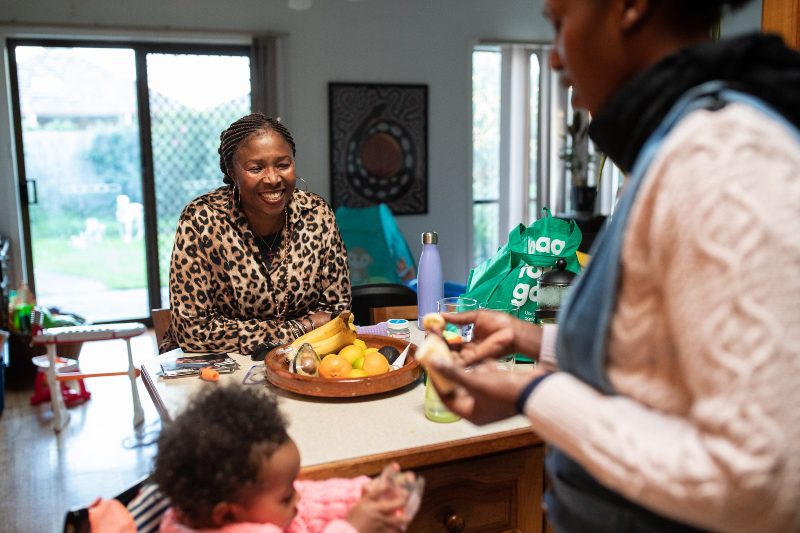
[[430, 286], [398, 328]]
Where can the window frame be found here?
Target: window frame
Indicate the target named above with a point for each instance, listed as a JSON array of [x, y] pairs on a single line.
[[514, 169], [140, 48]]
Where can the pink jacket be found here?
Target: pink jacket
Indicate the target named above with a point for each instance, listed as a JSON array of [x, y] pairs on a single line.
[[322, 509]]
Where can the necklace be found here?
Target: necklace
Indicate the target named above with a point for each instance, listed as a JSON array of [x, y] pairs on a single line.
[[270, 248], [280, 306]]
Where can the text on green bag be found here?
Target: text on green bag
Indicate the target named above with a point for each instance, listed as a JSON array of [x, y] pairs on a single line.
[[544, 245], [524, 292]]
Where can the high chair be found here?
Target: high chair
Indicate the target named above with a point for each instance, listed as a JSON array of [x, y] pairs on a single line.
[[53, 337], [41, 392]]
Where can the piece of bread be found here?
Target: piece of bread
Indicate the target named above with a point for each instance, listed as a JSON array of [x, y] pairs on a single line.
[[434, 348], [433, 321]]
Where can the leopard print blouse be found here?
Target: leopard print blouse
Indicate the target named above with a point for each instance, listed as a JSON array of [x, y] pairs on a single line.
[[224, 298]]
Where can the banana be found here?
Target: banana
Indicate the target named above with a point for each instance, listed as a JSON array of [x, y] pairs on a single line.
[[334, 343], [330, 337]]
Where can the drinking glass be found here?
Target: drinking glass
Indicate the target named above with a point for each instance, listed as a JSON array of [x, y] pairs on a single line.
[[508, 361], [458, 304]]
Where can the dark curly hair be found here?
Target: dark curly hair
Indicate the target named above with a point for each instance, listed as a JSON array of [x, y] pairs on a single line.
[[215, 448], [702, 13], [237, 132]]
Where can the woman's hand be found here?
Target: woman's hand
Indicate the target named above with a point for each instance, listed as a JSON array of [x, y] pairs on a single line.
[[484, 393], [495, 334], [320, 318]]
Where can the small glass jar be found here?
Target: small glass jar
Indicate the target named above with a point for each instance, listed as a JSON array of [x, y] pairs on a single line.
[[398, 328], [435, 409]]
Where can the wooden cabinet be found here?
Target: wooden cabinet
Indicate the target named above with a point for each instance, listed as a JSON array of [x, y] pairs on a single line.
[[496, 493], [489, 484], [782, 17]]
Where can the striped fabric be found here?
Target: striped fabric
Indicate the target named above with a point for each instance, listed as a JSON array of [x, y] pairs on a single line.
[[147, 508]]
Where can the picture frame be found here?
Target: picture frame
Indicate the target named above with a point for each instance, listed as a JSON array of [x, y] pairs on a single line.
[[379, 146]]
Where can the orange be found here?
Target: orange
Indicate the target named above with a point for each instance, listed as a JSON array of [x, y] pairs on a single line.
[[374, 364], [334, 366], [357, 373], [351, 352]]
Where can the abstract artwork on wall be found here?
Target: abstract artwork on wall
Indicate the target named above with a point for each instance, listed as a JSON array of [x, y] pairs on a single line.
[[379, 146]]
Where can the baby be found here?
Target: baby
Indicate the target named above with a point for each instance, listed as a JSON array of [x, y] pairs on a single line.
[[227, 464]]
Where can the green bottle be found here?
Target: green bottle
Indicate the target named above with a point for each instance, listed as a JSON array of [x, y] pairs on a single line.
[[434, 407]]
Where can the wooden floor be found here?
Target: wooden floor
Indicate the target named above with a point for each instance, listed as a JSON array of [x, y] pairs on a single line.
[[43, 473]]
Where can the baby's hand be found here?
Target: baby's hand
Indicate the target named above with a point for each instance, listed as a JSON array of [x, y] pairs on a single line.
[[384, 483], [394, 485], [379, 512]]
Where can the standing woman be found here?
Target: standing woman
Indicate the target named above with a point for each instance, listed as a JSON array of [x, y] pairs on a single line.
[[675, 402], [256, 261]]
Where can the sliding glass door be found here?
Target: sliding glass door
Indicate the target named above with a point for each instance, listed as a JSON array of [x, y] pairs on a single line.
[[192, 98], [112, 141]]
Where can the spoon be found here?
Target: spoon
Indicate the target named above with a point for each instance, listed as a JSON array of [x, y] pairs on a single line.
[[401, 359]]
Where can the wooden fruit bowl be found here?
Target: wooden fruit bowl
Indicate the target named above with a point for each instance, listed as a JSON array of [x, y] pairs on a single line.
[[278, 374]]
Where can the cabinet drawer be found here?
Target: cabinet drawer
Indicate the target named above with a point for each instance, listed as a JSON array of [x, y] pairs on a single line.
[[493, 493]]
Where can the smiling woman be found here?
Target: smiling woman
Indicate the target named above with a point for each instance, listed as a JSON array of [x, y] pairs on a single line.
[[256, 261]]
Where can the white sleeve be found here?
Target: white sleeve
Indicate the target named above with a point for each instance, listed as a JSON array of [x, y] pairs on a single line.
[[547, 349]]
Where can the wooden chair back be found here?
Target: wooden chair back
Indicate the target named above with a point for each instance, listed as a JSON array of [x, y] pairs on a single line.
[[365, 297], [161, 319], [382, 314]]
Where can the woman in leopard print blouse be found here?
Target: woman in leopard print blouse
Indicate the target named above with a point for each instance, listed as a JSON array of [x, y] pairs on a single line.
[[256, 261]]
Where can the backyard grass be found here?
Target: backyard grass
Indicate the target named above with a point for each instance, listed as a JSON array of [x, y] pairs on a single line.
[[111, 261]]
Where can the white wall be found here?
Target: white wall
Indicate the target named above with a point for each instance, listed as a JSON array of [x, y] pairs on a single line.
[[400, 41], [744, 20]]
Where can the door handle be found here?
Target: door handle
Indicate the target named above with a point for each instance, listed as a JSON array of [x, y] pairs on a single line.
[[35, 195]]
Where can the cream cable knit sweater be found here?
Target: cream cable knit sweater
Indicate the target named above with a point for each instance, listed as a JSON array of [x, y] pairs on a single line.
[[705, 342]]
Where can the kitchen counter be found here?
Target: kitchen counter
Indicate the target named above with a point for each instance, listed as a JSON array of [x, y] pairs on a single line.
[[487, 477]]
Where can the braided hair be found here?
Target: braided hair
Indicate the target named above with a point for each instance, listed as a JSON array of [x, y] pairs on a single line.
[[215, 448], [232, 137]]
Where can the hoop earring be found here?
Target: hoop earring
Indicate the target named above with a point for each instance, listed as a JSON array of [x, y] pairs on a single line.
[[305, 184], [237, 196]]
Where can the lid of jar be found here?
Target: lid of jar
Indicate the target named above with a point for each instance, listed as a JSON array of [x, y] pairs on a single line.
[[558, 276], [397, 323], [430, 237]]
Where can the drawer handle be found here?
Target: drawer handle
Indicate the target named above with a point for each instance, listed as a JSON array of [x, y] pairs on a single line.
[[454, 523]]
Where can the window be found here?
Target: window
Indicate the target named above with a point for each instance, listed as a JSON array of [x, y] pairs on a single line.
[[514, 145], [520, 114], [113, 140]]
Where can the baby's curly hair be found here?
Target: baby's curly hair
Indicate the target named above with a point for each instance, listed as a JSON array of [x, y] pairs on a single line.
[[215, 447]]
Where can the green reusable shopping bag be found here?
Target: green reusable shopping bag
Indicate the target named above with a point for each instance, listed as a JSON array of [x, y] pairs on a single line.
[[511, 275]]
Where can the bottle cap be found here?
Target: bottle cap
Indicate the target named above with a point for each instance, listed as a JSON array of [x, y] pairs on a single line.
[[430, 237], [397, 323]]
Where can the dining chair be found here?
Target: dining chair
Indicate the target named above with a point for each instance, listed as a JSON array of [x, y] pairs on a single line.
[[161, 319], [382, 314], [365, 297]]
